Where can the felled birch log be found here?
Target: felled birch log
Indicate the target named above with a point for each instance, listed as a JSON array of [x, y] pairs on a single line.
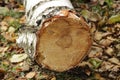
[[54, 37]]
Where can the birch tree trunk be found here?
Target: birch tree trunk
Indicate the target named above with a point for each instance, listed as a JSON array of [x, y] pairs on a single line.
[[54, 36]]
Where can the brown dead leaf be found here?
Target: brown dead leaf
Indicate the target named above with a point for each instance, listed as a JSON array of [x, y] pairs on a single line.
[[9, 36], [92, 16], [30, 75], [22, 20], [93, 28], [88, 72], [106, 66], [100, 35], [111, 38], [84, 63], [40, 77], [2, 50], [95, 52], [116, 68], [99, 77], [106, 42], [3, 23], [24, 66], [117, 25], [9, 19], [54, 78], [18, 69], [118, 46], [101, 2], [109, 51], [21, 8], [102, 22], [21, 78], [114, 60], [3, 26]]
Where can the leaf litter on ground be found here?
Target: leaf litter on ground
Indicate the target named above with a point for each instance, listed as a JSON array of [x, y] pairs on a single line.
[[103, 17]]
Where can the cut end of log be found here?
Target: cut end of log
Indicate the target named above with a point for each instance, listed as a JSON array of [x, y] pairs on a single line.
[[62, 42]]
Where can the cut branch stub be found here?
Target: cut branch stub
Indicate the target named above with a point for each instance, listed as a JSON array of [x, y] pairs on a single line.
[[62, 42]]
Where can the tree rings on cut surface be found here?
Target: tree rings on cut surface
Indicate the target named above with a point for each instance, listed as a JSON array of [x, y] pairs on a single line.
[[62, 42]]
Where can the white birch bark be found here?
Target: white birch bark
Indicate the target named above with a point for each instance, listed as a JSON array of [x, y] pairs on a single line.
[[38, 10]]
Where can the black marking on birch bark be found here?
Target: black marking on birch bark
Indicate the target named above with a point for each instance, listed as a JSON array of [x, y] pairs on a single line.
[[27, 39], [38, 22], [25, 28], [40, 3], [28, 13], [36, 6], [51, 13]]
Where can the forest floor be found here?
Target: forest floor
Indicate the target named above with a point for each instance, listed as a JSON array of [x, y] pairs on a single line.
[[102, 63]]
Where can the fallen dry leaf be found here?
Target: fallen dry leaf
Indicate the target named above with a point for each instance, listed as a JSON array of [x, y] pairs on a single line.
[[106, 66], [11, 30], [9, 19], [99, 77], [116, 68], [101, 2], [9, 36], [106, 42], [18, 58], [95, 52], [22, 20], [24, 66], [92, 16], [2, 50], [93, 28], [3, 26], [99, 35], [114, 60], [21, 78], [54, 78], [109, 51], [84, 63], [42, 77], [21, 8], [30, 75]]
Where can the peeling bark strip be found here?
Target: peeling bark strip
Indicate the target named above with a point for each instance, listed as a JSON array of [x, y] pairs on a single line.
[[55, 37]]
